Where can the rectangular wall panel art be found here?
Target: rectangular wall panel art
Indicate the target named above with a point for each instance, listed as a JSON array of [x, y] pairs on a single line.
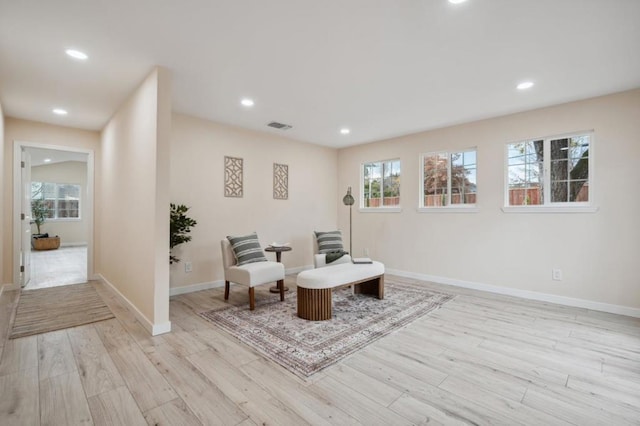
[[280, 181], [233, 175]]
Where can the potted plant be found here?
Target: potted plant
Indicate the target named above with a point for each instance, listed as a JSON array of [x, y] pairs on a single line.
[[180, 226], [42, 241]]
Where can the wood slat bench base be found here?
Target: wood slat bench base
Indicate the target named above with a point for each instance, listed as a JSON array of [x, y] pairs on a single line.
[[315, 304]]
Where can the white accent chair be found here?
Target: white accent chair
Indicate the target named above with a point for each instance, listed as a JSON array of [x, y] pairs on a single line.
[[251, 274], [320, 260]]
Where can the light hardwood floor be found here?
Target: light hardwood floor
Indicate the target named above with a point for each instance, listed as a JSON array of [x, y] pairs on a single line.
[[481, 359]]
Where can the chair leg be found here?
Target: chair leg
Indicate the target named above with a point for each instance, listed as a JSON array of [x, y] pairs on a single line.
[[226, 290], [281, 287], [252, 298]]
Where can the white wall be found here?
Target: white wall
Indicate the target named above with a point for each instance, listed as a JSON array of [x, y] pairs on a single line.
[[197, 180], [40, 133], [72, 231], [2, 191], [597, 252], [132, 211]]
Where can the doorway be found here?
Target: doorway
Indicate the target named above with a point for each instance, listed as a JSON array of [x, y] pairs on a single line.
[[60, 181]]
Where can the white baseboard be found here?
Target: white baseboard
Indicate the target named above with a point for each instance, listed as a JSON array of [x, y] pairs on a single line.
[[524, 294], [9, 287], [174, 291], [153, 329], [161, 328], [79, 244]]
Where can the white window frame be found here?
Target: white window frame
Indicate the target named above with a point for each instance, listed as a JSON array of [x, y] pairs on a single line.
[[380, 209], [548, 206], [449, 208], [57, 199]]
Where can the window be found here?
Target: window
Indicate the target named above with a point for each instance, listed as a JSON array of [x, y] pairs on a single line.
[[549, 172], [62, 200], [381, 184], [449, 179]]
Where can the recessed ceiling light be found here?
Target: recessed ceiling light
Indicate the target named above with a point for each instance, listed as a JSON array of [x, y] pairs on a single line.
[[60, 111], [456, 1], [525, 85], [345, 131], [47, 160], [247, 102], [76, 54]]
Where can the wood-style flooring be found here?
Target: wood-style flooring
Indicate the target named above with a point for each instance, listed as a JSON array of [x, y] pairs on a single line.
[[481, 359]]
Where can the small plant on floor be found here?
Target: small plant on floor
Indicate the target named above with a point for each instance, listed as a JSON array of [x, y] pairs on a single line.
[[180, 227]]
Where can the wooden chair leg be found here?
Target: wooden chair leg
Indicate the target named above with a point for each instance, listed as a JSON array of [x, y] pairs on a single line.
[[252, 298], [281, 287], [226, 290]]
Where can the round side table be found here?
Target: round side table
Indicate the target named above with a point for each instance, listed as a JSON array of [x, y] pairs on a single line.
[[278, 251]]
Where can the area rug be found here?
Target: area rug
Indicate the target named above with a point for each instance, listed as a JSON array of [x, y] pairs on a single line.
[[306, 347], [55, 308]]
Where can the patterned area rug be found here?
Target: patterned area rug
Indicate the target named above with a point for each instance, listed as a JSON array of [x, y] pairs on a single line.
[[306, 347]]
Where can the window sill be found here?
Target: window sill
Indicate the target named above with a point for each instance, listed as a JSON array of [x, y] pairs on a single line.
[[550, 209], [380, 209], [456, 209]]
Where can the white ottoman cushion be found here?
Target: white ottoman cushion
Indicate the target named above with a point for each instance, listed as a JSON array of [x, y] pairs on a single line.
[[338, 275]]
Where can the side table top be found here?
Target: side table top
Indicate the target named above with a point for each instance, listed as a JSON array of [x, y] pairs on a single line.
[[277, 249]]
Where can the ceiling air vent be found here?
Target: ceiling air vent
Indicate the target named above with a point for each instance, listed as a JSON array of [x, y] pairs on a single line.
[[279, 126]]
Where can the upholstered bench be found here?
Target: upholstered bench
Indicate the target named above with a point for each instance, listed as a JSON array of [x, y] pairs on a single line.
[[315, 286]]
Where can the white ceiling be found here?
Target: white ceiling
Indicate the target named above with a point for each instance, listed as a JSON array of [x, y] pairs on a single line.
[[39, 155], [382, 68]]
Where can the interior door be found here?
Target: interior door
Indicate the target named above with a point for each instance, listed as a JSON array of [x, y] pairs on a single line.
[[25, 249]]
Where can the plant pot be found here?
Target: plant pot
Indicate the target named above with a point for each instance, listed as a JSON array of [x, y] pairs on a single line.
[[45, 243]]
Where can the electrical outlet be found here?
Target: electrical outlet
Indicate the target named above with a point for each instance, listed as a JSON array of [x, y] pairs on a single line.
[[556, 274], [188, 267]]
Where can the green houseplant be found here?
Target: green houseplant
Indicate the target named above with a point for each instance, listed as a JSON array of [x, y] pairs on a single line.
[[180, 228], [40, 213]]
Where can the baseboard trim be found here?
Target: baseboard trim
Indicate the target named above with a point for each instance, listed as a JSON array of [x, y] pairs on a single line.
[[153, 329], [161, 328], [79, 244], [9, 287], [524, 294], [174, 291]]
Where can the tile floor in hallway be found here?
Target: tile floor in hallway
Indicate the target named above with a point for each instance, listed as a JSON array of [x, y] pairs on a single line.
[[50, 268]]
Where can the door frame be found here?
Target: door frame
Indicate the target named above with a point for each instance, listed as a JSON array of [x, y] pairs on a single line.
[[18, 146], [25, 217]]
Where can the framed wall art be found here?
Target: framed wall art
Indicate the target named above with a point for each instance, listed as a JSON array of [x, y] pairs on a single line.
[[233, 175], [280, 181]]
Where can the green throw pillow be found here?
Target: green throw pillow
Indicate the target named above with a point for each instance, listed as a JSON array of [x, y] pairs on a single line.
[[247, 249], [329, 241]]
